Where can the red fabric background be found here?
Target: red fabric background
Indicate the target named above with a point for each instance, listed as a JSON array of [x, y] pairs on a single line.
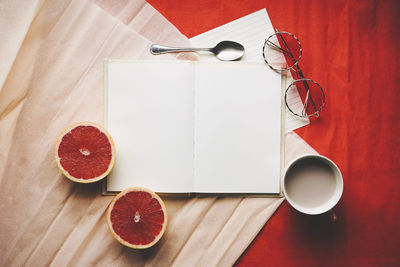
[[350, 48]]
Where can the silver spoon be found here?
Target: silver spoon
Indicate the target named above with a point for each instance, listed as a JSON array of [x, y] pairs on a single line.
[[225, 50]]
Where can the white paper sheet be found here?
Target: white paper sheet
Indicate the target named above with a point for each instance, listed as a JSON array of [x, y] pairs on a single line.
[[251, 31], [204, 127]]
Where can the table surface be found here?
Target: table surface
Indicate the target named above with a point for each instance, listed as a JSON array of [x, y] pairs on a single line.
[[351, 49]]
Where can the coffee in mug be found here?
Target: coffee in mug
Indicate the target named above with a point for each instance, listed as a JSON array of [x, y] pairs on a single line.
[[312, 184]]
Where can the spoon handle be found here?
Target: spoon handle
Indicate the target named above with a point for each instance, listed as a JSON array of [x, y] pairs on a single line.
[[156, 49]]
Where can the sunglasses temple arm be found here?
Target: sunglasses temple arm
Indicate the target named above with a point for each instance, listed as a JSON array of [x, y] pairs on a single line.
[[289, 52], [308, 92], [308, 97]]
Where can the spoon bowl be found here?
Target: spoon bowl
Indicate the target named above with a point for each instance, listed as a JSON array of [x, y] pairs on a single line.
[[225, 50], [228, 50]]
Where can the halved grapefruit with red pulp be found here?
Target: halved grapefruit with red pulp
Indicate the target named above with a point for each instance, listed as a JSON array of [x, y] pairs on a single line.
[[137, 217], [85, 153]]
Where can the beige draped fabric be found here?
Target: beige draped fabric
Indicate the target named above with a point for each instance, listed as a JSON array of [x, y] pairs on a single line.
[[51, 75]]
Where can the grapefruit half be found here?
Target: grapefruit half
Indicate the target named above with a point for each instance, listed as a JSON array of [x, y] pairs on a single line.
[[85, 152], [137, 217]]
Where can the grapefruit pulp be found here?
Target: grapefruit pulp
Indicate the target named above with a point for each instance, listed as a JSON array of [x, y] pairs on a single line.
[[85, 152], [137, 217]]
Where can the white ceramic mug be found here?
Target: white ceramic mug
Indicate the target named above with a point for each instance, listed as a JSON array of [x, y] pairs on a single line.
[[312, 184]]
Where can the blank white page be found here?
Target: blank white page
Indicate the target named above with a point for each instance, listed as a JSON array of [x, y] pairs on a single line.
[[237, 128], [150, 117]]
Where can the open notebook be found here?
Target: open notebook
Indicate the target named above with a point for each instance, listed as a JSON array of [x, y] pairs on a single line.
[[195, 127]]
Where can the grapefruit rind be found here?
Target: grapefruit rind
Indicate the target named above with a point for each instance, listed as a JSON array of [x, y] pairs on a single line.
[[65, 172], [116, 236]]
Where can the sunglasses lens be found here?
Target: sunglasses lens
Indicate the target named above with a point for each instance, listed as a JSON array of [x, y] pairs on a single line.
[[311, 95], [282, 51]]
